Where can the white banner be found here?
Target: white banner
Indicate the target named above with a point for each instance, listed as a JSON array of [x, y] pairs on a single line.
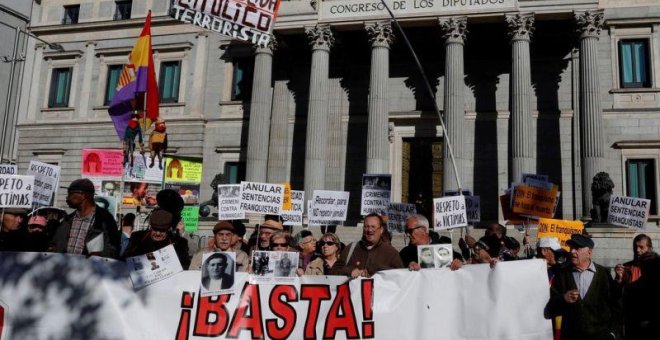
[[295, 215], [631, 212], [397, 215], [16, 191], [46, 180], [376, 190], [262, 198], [449, 213], [58, 296], [229, 202], [329, 205], [8, 169]]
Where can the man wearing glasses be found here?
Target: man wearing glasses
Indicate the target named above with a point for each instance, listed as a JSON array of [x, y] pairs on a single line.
[[90, 230], [417, 231]]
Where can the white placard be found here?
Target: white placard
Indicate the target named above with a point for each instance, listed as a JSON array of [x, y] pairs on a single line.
[[329, 205], [262, 198], [142, 171], [630, 212], [312, 222], [295, 215], [397, 213], [274, 267], [449, 212], [8, 169], [46, 180], [16, 191], [229, 202], [376, 192], [435, 256], [153, 267], [218, 273]]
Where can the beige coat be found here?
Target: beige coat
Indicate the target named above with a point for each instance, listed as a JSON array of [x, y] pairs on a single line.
[[242, 259]]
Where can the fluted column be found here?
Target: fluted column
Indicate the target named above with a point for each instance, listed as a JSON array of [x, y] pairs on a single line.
[[321, 40], [591, 122], [84, 109], [521, 27], [260, 105], [378, 149], [279, 132], [199, 74], [454, 31]]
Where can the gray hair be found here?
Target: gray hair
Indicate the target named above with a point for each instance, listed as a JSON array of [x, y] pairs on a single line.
[[421, 220]]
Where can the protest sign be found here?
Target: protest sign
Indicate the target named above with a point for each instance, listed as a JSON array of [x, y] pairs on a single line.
[[385, 306], [141, 171], [16, 191], [286, 199], [250, 21], [189, 192], [179, 169], [534, 202], [313, 222], [8, 169], [507, 213], [262, 198], [329, 206], [541, 178], [630, 212], [102, 163], [218, 273], [376, 190], [46, 179], [274, 267], [140, 194], [229, 202], [108, 203], [294, 216], [184, 175], [397, 213], [435, 255], [450, 212], [190, 218], [561, 229], [153, 267], [472, 204]]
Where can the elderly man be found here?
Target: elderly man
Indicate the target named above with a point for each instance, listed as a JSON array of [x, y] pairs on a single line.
[[306, 244], [630, 271], [12, 236], [417, 230], [585, 295], [266, 230], [90, 230], [223, 236], [370, 254]]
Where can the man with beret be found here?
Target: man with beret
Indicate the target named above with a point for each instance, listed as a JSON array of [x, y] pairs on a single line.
[[223, 236], [159, 235], [585, 295], [90, 230], [13, 236]]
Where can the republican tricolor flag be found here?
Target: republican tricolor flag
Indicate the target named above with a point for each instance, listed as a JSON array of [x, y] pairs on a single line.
[[136, 84]]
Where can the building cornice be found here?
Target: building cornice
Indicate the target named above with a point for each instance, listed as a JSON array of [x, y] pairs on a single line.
[[102, 25], [637, 144]]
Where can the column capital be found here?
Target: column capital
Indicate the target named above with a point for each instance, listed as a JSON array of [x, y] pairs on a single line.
[[454, 29], [380, 33], [589, 23], [92, 43], [320, 37], [269, 48], [521, 26]]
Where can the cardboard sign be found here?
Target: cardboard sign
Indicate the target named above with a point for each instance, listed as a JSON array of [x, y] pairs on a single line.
[[376, 191], [46, 180], [8, 169], [286, 200], [262, 198], [329, 205], [229, 202], [183, 170], [561, 229], [102, 163], [473, 208], [141, 194], [16, 191], [630, 212], [507, 213], [153, 267], [534, 202], [190, 218], [449, 212], [294, 216], [142, 171], [312, 222], [526, 177], [274, 267], [397, 213]]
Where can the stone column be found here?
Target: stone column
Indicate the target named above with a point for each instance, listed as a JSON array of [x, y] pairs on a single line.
[[321, 40], [591, 122], [279, 133], [199, 78], [84, 109], [378, 148], [454, 31], [260, 105], [521, 27], [35, 85]]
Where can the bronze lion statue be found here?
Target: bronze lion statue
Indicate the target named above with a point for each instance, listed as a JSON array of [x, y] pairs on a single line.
[[601, 190]]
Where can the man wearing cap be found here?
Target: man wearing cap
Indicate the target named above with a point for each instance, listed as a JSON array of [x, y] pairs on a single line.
[[585, 295], [159, 235], [90, 230], [223, 236], [12, 235], [266, 230]]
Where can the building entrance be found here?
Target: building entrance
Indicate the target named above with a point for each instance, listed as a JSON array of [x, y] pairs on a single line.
[[421, 172]]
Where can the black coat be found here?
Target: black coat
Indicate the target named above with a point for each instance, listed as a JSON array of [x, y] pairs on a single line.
[[104, 223]]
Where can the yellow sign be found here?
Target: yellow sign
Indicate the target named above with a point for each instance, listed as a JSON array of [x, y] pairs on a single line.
[[183, 170], [286, 202], [561, 229], [532, 201]]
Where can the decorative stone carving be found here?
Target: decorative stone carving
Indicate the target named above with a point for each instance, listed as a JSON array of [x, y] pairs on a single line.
[[589, 23], [601, 190], [390, 132], [521, 26], [269, 48], [380, 34], [320, 37], [454, 29], [315, 4]]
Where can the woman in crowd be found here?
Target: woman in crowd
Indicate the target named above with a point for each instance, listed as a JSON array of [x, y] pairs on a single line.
[[330, 250]]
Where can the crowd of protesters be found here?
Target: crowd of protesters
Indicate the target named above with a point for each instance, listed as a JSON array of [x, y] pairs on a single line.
[[587, 301]]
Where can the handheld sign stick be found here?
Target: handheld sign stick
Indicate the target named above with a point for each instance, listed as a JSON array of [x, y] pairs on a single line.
[[430, 93]]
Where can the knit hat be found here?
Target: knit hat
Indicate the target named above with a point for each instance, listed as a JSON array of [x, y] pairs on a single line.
[[83, 185], [161, 219]]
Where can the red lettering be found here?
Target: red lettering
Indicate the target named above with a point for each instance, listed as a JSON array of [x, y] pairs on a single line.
[[314, 294], [341, 315], [367, 308], [283, 310], [183, 329], [248, 321], [207, 306]]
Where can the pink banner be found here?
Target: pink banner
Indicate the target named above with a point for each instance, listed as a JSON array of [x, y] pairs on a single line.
[[98, 162]]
